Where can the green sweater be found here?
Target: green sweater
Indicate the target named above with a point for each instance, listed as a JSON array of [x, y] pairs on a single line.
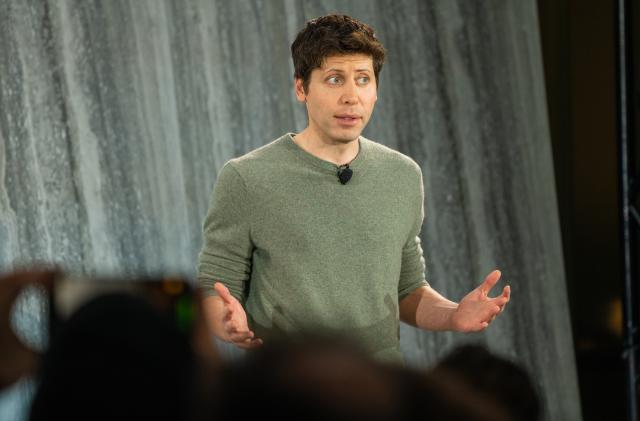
[[302, 251]]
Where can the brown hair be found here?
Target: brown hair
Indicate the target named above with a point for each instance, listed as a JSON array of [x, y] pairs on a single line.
[[329, 36]]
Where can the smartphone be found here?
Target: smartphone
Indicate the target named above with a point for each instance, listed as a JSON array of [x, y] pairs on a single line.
[[170, 296]]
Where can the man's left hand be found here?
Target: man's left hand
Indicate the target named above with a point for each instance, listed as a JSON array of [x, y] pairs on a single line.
[[477, 309]]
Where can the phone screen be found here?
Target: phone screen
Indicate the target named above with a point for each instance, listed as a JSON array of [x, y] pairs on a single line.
[[169, 296]]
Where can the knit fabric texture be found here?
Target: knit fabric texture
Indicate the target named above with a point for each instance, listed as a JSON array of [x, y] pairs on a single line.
[[304, 252]]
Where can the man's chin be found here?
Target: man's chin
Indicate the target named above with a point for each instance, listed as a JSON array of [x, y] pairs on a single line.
[[346, 136]]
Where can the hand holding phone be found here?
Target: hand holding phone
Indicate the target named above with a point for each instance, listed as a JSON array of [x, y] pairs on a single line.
[[172, 298], [126, 345], [17, 359]]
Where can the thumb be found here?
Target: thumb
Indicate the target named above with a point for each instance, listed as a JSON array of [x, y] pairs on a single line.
[[490, 281], [224, 293]]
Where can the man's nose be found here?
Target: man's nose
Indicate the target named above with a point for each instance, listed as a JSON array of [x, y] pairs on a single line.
[[349, 94]]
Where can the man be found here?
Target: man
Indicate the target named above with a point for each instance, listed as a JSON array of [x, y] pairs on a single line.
[[320, 229]]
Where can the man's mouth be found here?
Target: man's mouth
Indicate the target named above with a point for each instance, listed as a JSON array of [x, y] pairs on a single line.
[[347, 119]]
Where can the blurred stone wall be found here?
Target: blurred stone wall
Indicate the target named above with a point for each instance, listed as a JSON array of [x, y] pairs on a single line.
[[115, 117]]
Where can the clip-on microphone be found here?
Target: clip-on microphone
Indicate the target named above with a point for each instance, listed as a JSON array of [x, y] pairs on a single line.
[[344, 174]]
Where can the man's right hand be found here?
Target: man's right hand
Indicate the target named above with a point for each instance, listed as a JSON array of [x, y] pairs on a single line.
[[234, 321]]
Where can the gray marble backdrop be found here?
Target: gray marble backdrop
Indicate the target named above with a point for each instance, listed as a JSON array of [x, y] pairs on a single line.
[[115, 117]]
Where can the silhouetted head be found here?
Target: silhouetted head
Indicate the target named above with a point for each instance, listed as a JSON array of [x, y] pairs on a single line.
[[314, 378], [494, 378], [116, 358], [309, 379]]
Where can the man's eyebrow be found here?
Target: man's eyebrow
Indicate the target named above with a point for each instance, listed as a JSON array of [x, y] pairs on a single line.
[[333, 69]]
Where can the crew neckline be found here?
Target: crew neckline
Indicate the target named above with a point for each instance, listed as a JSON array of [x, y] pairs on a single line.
[[357, 164]]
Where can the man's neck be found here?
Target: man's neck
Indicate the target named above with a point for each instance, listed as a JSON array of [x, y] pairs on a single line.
[[337, 152]]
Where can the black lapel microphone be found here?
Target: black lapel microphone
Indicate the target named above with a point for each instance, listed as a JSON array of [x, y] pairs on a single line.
[[344, 173]]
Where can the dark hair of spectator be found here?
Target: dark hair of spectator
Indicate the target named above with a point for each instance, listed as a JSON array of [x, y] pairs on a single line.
[[498, 379], [117, 358]]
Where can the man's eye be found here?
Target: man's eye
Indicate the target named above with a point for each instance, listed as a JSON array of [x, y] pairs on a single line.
[[363, 80], [333, 80]]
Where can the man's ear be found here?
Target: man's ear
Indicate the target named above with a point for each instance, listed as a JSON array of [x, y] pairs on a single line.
[[299, 88]]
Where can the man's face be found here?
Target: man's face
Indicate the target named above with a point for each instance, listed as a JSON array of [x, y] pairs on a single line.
[[340, 97]]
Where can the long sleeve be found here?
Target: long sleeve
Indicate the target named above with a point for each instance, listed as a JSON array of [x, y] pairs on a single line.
[[412, 271], [227, 247]]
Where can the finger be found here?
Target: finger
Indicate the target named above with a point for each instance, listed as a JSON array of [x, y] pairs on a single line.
[[504, 296], [224, 293], [506, 292], [253, 343], [240, 336], [235, 327], [500, 301], [489, 282]]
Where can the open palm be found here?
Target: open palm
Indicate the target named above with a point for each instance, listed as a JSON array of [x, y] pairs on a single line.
[[476, 310], [235, 324]]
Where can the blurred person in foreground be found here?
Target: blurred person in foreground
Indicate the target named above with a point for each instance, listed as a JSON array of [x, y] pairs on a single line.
[[323, 378], [118, 356], [319, 230], [17, 359], [494, 379]]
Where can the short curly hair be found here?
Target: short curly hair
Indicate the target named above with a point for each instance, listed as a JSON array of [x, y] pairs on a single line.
[[333, 35]]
